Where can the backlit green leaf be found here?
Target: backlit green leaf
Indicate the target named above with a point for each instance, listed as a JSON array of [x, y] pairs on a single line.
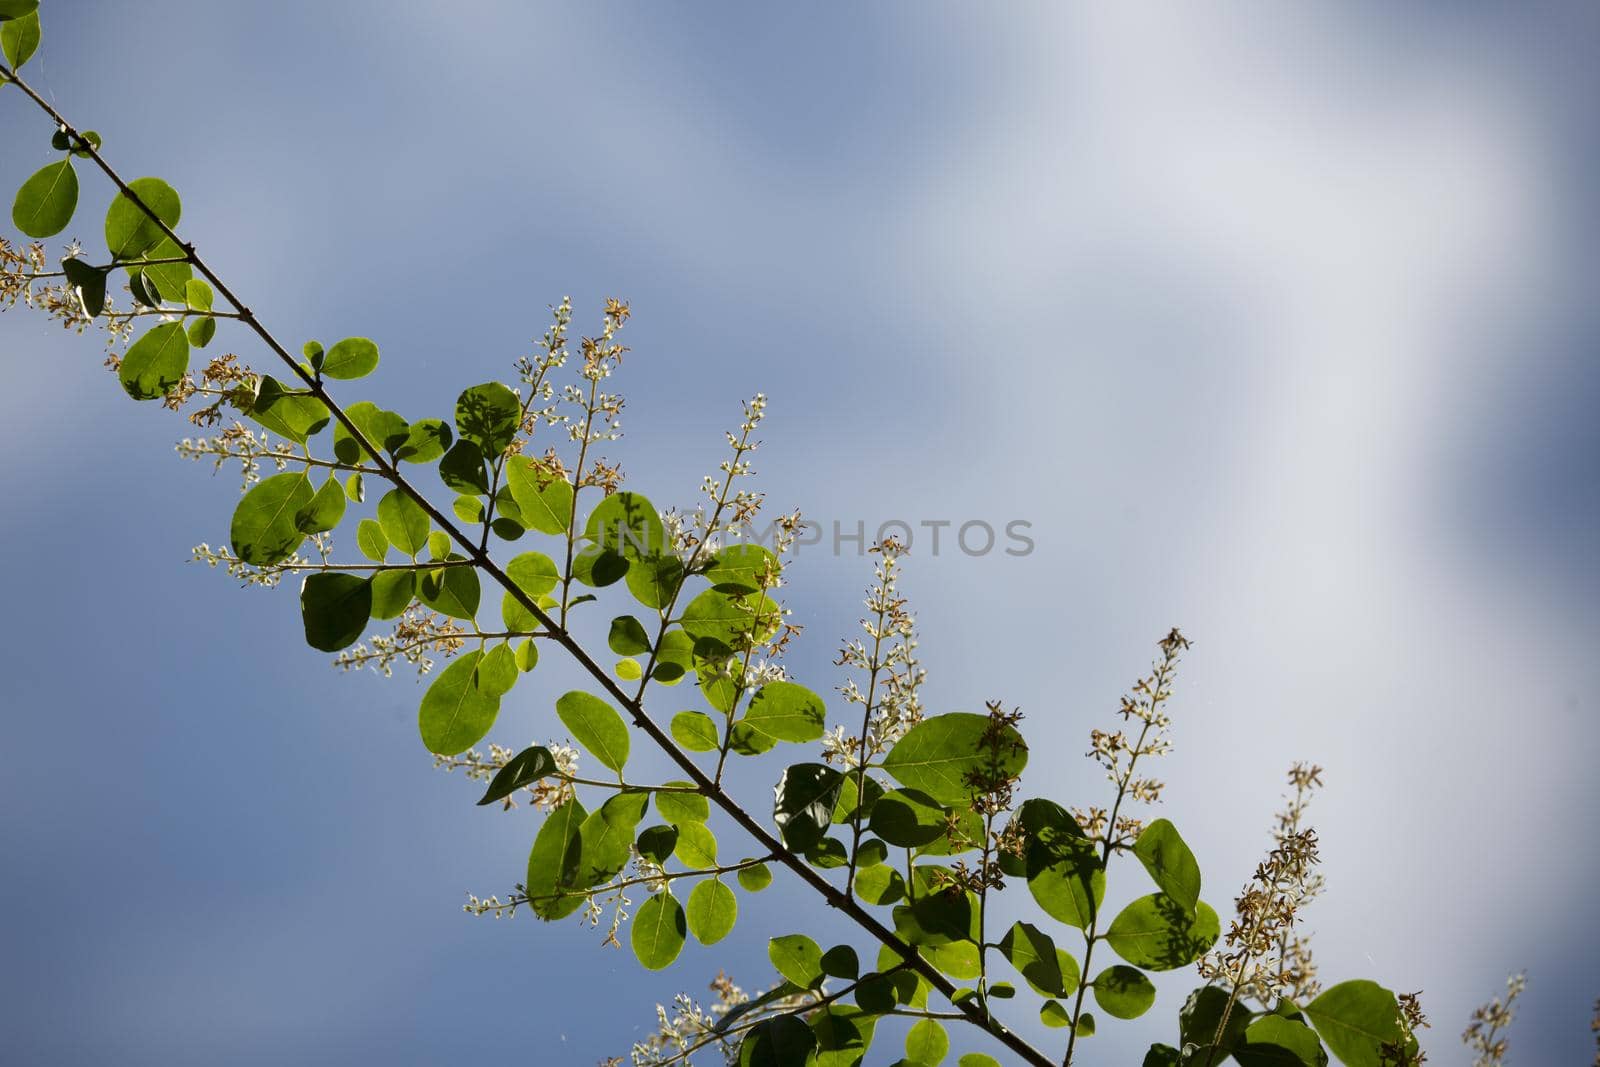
[[1355, 1018], [785, 711], [129, 231], [552, 859], [695, 731], [19, 35], [1124, 991], [1159, 934], [937, 755], [658, 931], [488, 416], [1273, 1041], [596, 726], [404, 522], [452, 591], [713, 909], [263, 531], [797, 958], [354, 357], [456, 711], [544, 499], [755, 878], [927, 1043], [1169, 861], [46, 201], [156, 362], [371, 541], [324, 511]]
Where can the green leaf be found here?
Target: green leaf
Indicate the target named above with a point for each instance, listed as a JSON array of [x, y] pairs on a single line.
[[596, 726], [1159, 934], [201, 331], [656, 844], [697, 846], [803, 809], [628, 524], [452, 591], [456, 711], [1048, 969], [324, 511], [371, 541], [553, 857], [426, 441], [292, 414], [16, 9], [46, 201], [742, 568], [129, 231], [1170, 863], [527, 655], [1355, 1018], [263, 530], [909, 818], [334, 607], [937, 755], [781, 1041], [497, 674], [354, 357], [1124, 992], [197, 294], [734, 620], [1064, 871], [1273, 1041], [785, 711], [695, 731], [156, 362], [392, 593], [488, 416], [536, 575], [681, 807], [977, 1059], [170, 280], [658, 931], [880, 885], [598, 567], [384, 430], [404, 522], [797, 958], [355, 490], [1053, 1015], [19, 36], [713, 909], [1162, 1056], [606, 839], [927, 1043], [521, 770], [544, 499], [755, 878], [654, 580], [628, 637]]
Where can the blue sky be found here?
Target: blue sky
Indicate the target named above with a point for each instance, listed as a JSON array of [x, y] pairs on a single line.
[[1277, 326]]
